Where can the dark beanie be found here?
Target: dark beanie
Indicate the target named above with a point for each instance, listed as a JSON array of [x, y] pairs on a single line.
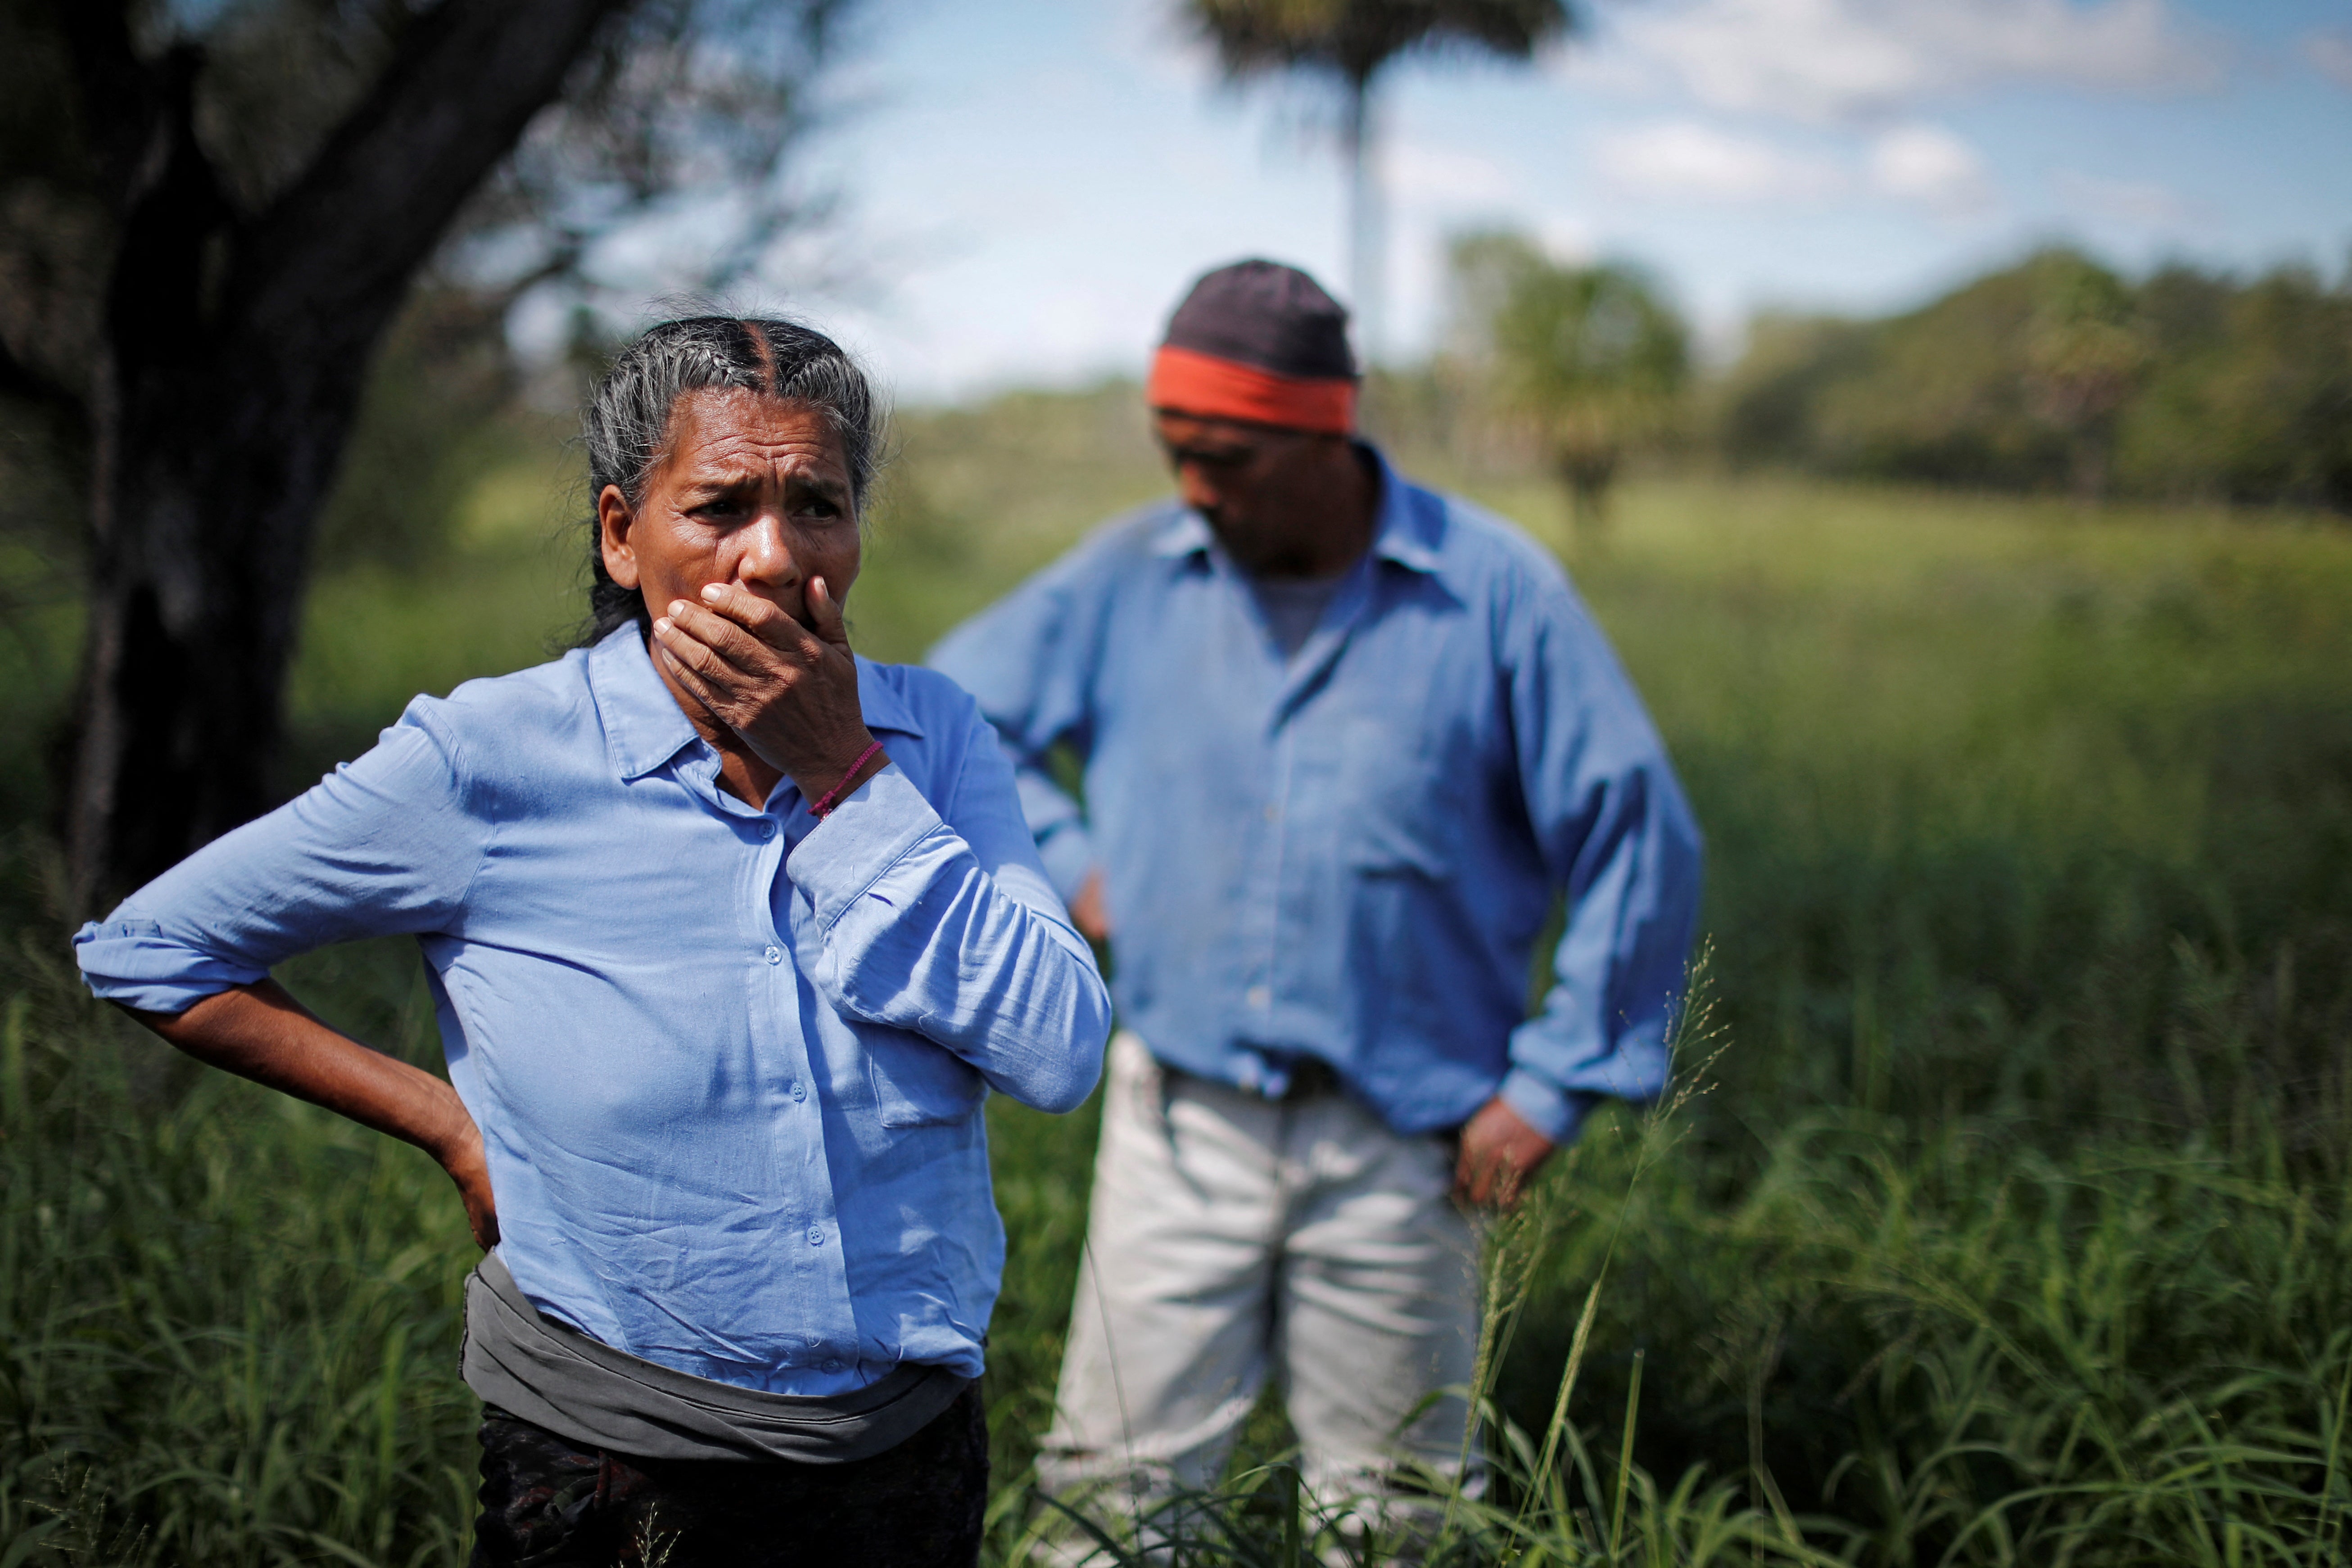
[[1264, 314]]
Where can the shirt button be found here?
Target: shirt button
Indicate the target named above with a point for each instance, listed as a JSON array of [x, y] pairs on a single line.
[[775, 955], [816, 1236], [800, 1089], [1258, 997], [767, 830]]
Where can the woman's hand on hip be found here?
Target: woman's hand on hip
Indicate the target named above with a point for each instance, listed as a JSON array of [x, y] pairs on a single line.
[[788, 692], [261, 1032], [468, 1167]]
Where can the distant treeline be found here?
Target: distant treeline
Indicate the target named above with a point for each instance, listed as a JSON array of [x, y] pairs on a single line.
[[2057, 372]]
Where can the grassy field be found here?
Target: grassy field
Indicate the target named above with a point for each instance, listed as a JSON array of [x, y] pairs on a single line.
[[2003, 1219]]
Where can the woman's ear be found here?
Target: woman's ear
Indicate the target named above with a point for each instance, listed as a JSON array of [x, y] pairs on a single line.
[[612, 523]]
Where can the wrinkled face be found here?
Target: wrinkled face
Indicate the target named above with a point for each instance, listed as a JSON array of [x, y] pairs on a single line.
[[1263, 491], [752, 491]]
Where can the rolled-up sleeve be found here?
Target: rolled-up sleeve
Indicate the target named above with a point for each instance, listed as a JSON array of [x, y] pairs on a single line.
[[383, 844], [1618, 836], [944, 923]]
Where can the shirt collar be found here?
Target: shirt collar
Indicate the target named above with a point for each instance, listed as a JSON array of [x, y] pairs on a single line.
[[883, 707], [1410, 519], [1402, 533], [645, 726], [1184, 533]]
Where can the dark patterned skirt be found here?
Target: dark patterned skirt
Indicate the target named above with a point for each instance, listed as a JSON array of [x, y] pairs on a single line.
[[548, 1504]]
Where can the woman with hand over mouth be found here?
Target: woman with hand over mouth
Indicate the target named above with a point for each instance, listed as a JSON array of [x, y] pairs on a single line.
[[730, 932]]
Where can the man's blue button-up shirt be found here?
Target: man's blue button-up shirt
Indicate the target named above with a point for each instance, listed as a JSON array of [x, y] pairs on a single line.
[[1347, 854], [728, 1062]]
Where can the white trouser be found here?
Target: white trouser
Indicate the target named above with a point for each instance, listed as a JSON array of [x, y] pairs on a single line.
[[1230, 1236]]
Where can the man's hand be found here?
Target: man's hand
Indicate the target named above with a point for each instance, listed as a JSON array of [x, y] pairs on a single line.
[[1500, 1154], [788, 692], [1086, 911]]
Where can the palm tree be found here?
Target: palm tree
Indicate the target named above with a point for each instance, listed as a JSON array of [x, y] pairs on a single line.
[[1590, 360], [1348, 43]]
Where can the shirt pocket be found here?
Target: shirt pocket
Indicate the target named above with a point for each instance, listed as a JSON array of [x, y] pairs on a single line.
[[1396, 818], [918, 1083]]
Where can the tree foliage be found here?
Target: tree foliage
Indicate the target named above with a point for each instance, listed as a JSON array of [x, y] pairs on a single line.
[[1352, 40], [1347, 44], [1590, 361], [210, 216], [674, 103], [2059, 373]]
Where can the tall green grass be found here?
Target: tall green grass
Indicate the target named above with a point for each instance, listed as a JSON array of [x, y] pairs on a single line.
[[2005, 1222], [230, 1321]]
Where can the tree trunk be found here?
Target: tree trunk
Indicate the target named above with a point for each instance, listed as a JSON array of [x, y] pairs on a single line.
[[2090, 465], [1586, 476], [235, 355], [1366, 220], [211, 467]]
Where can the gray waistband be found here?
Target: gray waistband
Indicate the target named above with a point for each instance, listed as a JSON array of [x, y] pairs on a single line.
[[551, 1376]]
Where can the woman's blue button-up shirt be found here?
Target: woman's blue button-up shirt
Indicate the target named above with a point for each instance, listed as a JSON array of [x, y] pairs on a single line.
[[728, 1063]]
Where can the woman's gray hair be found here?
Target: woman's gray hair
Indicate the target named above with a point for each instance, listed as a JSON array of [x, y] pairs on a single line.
[[625, 427]]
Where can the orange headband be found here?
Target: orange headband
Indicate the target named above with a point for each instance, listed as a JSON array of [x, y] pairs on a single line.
[[1190, 382]]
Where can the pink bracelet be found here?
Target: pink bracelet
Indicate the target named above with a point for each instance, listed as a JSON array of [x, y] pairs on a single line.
[[823, 807]]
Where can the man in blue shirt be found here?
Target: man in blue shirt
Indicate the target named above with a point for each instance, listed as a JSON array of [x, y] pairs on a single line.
[[1344, 741]]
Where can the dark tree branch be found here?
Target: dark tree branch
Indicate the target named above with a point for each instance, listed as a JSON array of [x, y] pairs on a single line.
[[174, 212], [20, 380], [341, 244], [119, 92]]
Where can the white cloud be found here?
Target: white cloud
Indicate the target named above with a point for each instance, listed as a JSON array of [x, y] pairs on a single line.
[[1151, 39], [1929, 163], [1692, 160], [1567, 240], [1830, 60], [2332, 53], [1440, 177], [1682, 158], [2141, 202]]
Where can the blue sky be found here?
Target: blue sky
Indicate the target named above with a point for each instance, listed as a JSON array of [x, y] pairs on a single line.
[[1026, 187]]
